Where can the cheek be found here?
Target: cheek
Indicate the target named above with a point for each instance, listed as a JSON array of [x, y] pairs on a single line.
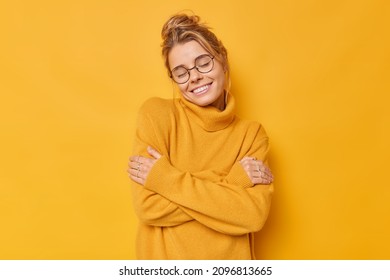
[[221, 79], [219, 75], [182, 88]]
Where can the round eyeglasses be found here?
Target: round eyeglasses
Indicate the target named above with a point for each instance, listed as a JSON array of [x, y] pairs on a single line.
[[203, 64]]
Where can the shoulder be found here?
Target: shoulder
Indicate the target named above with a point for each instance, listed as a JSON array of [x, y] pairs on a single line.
[[156, 106], [255, 141], [157, 109], [253, 128], [156, 112]]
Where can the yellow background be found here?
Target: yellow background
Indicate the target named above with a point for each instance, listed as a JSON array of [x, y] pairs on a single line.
[[74, 73]]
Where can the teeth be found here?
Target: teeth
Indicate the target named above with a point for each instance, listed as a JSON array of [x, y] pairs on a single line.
[[200, 89]]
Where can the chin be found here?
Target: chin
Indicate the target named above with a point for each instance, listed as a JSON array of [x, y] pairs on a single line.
[[202, 100]]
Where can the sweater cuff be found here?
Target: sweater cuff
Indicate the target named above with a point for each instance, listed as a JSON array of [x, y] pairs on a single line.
[[160, 175], [237, 176]]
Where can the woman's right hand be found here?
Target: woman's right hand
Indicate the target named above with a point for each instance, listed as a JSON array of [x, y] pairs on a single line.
[[140, 167], [257, 171]]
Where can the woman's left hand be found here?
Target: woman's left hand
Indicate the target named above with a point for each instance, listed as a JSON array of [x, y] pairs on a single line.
[[139, 166], [257, 171]]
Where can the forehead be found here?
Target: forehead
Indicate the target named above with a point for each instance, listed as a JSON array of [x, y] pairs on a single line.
[[185, 54]]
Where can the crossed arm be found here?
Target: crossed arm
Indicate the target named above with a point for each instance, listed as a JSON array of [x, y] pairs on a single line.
[[163, 201], [140, 167]]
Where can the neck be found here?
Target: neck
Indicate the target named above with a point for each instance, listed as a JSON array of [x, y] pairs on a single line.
[[220, 103]]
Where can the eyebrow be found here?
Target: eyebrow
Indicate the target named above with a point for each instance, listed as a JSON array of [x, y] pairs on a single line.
[[182, 65]]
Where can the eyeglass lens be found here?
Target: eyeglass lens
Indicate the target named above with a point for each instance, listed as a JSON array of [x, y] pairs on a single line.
[[203, 64]]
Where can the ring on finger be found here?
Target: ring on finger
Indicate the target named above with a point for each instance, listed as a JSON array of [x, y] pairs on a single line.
[[258, 168]]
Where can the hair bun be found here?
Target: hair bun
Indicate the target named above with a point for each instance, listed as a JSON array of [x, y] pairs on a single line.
[[179, 23]]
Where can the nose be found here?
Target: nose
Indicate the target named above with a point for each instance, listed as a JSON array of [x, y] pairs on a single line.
[[195, 75]]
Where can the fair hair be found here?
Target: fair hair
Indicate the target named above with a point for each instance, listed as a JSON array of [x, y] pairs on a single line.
[[182, 28]]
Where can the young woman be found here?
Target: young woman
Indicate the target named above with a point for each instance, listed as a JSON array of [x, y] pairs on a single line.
[[201, 186]]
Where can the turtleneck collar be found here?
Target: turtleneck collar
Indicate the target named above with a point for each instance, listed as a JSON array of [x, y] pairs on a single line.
[[209, 117]]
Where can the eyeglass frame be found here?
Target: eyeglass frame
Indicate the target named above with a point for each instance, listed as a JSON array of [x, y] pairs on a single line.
[[195, 67]]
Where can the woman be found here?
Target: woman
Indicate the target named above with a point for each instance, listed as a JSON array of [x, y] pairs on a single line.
[[201, 186]]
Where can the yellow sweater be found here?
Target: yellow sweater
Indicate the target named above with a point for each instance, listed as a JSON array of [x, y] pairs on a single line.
[[198, 202]]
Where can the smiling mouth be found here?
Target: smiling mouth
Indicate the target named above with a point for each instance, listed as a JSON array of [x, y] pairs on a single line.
[[201, 89]]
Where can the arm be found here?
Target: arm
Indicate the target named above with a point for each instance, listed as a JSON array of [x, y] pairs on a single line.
[[232, 205], [155, 210], [150, 207]]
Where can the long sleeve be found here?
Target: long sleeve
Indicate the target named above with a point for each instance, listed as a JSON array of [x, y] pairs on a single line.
[[229, 205], [150, 207], [154, 210]]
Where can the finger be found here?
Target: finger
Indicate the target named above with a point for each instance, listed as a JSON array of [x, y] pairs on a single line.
[[261, 181], [153, 152], [248, 164], [132, 164], [135, 165], [267, 181], [133, 158], [138, 180], [267, 178], [136, 162], [262, 175], [138, 173], [247, 159], [133, 172], [266, 175], [260, 163], [257, 168], [264, 168]]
